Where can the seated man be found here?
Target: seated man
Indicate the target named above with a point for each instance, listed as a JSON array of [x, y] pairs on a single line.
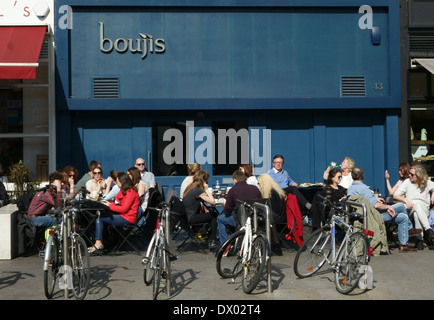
[[281, 176], [241, 191], [396, 213], [46, 200]]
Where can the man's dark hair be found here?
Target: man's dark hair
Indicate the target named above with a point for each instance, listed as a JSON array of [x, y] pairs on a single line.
[[239, 175], [55, 176], [93, 164], [357, 173], [279, 156]]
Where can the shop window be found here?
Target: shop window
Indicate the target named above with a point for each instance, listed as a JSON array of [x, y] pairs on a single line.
[[418, 84], [169, 157], [231, 143]]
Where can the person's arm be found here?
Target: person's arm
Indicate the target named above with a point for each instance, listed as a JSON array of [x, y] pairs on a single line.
[[124, 205], [389, 186], [207, 196]]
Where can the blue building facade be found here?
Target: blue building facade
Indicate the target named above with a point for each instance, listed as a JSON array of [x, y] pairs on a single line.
[[315, 81]]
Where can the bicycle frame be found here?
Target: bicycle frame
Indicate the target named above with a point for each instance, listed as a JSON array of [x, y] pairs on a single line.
[[161, 238]]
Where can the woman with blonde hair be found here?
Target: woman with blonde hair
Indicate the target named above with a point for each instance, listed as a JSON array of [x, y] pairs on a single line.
[[276, 196], [347, 166]]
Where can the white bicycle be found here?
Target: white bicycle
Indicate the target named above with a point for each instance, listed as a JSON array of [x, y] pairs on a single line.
[[245, 252]]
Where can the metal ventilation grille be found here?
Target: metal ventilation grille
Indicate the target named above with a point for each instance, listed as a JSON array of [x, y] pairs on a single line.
[[353, 87], [422, 45], [105, 88]]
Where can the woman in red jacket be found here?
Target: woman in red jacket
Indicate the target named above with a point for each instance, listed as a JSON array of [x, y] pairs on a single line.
[[124, 209]]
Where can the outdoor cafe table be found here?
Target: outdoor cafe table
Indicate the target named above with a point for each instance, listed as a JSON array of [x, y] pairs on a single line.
[[308, 190]]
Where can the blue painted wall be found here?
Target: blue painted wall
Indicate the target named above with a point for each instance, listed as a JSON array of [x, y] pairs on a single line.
[[283, 59]]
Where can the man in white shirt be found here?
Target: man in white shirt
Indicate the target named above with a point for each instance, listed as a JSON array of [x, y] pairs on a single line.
[[147, 177]]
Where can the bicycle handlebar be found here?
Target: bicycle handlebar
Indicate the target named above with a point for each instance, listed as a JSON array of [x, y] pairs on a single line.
[[339, 209], [245, 204]]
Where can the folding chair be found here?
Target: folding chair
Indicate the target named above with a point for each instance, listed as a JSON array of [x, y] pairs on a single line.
[[126, 233], [179, 214], [139, 229]]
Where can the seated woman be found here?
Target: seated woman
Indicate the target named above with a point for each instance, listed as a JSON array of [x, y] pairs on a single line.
[[248, 171], [124, 210], [332, 191], [192, 168], [196, 193], [97, 185], [140, 185], [276, 196]]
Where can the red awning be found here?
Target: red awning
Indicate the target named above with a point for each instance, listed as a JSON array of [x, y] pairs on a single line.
[[19, 51]]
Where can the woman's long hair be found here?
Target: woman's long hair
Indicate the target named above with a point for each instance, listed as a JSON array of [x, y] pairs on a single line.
[[405, 167], [199, 180], [422, 176], [126, 182], [332, 174], [135, 175], [248, 171], [266, 184]]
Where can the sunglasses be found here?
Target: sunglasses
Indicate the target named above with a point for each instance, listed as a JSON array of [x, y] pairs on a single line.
[[412, 174], [71, 175], [339, 177], [98, 172], [140, 164]]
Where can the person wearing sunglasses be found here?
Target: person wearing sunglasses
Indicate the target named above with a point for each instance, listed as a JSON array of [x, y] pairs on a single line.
[[417, 194], [396, 213], [97, 185], [332, 191], [88, 175], [123, 210], [147, 177]]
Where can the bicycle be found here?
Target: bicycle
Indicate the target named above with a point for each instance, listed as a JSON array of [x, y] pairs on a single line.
[[74, 266], [244, 252], [348, 262], [158, 257]]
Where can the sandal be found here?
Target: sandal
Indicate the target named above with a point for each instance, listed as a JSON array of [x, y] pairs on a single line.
[[95, 249]]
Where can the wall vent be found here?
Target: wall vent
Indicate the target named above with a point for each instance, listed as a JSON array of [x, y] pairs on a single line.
[[105, 88], [421, 45], [353, 86]]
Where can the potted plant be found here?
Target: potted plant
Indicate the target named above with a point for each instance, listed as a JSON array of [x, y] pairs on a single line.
[[21, 176]]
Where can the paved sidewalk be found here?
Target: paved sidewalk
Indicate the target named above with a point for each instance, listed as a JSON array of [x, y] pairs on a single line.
[[398, 276]]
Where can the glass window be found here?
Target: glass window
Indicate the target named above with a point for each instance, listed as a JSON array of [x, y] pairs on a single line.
[[231, 146], [168, 145], [418, 84]]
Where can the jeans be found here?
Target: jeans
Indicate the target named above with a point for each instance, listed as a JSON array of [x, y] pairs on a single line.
[[401, 219], [114, 220], [44, 221], [222, 222]]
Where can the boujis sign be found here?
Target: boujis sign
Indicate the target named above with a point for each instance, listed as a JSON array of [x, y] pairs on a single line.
[[143, 45]]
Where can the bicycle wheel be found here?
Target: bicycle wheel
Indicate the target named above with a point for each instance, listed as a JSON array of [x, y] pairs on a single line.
[[229, 256], [352, 256], [253, 268], [80, 265], [50, 275], [312, 254], [157, 271], [149, 261]]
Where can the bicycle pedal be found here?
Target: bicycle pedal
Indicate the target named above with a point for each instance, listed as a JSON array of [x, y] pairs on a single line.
[[42, 254], [173, 258]]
